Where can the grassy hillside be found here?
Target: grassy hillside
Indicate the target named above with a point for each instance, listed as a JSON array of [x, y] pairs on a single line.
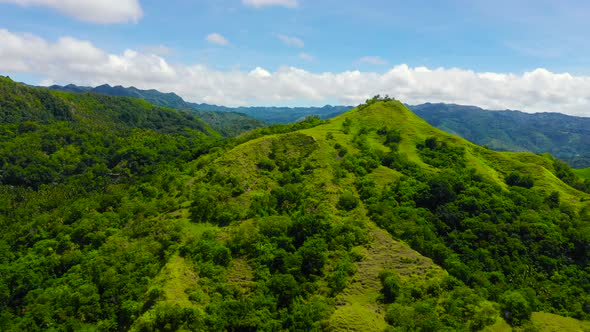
[[370, 221], [374, 165], [583, 173]]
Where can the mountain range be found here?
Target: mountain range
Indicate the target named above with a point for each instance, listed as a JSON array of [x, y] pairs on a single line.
[[565, 137], [271, 115]]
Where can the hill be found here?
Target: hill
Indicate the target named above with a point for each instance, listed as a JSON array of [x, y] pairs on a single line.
[[565, 137], [369, 221], [227, 123], [50, 137]]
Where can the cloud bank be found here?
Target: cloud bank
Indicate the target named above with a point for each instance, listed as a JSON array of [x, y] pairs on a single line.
[[70, 60], [103, 11]]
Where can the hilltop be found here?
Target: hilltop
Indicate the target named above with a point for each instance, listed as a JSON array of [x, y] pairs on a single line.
[[369, 221]]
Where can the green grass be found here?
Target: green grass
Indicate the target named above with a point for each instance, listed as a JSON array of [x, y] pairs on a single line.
[[176, 277], [584, 173], [546, 322]]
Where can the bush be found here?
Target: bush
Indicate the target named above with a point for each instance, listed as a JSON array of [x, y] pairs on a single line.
[[348, 201], [390, 286], [515, 308], [520, 180]]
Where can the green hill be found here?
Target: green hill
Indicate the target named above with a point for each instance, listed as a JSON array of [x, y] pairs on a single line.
[[370, 221], [52, 137], [565, 137]]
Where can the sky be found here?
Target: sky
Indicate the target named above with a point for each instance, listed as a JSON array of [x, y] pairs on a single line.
[[529, 55]]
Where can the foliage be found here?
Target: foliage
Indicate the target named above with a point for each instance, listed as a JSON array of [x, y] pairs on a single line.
[[391, 286], [515, 308], [126, 216], [519, 179], [441, 154]]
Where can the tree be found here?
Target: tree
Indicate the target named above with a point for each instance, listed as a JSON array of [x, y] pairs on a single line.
[[515, 308], [347, 201], [390, 285], [519, 179], [314, 256], [553, 199]]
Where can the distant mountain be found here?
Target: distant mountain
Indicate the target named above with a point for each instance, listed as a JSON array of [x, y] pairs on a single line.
[[266, 114], [565, 137], [227, 123], [278, 114], [155, 97]]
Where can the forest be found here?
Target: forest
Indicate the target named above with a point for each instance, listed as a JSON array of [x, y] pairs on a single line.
[[119, 215]]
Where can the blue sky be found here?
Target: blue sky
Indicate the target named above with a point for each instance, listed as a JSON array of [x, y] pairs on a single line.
[[529, 55]]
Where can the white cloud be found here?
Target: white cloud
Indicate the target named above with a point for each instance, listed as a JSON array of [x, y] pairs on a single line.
[[306, 57], [266, 3], [373, 60], [70, 60], [103, 11], [217, 39], [291, 41], [47, 82], [259, 73]]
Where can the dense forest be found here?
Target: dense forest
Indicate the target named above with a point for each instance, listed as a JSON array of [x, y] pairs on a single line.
[[120, 215]]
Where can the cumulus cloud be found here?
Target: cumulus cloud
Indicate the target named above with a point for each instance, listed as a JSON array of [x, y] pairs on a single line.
[[103, 11], [266, 3], [291, 41], [217, 39], [373, 60], [70, 60]]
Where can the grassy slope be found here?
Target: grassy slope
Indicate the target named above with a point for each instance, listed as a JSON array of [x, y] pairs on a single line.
[[544, 322], [583, 173], [357, 308]]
